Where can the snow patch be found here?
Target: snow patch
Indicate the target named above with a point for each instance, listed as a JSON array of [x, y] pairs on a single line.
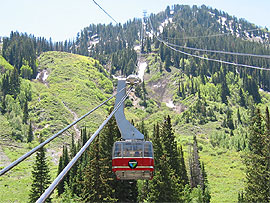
[[149, 34], [142, 67], [212, 14], [166, 22], [222, 20], [137, 48], [170, 104], [43, 75]]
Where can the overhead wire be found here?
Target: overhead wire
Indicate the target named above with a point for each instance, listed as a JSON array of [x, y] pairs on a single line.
[[105, 12], [213, 35], [54, 184], [138, 64], [220, 52], [16, 162], [202, 57]]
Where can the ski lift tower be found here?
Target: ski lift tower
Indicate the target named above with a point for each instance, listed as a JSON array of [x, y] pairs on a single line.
[[144, 16]]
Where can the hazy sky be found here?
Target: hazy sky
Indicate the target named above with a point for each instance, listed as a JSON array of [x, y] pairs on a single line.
[[63, 19]]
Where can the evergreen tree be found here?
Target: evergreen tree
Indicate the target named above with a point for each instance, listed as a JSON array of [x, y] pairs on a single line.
[[170, 176], [63, 162], [108, 135], [196, 178], [30, 135], [170, 146], [242, 98], [92, 180], [206, 192], [152, 187], [256, 161], [40, 176], [229, 119], [60, 186], [183, 170], [148, 45], [25, 112], [224, 92], [74, 169]]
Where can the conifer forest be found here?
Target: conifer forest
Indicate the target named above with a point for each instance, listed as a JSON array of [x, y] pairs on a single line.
[[203, 102]]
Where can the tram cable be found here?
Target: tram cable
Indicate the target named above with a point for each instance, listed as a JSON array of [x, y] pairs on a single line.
[[105, 11], [213, 35], [139, 62], [51, 188], [202, 57], [13, 164], [219, 52]]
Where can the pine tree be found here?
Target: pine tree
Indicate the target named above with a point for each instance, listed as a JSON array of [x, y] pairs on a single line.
[[63, 162], [30, 135], [239, 117], [256, 161], [40, 176], [267, 151], [92, 181], [108, 135], [224, 92], [183, 170], [196, 178], [242, 98], [229, 119], [74, 169], [152, 188], [206, 192], [25, 112], [60, 186], [170, 146], [170, 175]]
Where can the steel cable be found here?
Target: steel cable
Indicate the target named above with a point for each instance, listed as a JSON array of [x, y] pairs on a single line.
[[51, 188], [13, 164]]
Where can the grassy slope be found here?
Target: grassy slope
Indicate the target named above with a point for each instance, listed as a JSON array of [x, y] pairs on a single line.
[[74, 80], [224, 166]]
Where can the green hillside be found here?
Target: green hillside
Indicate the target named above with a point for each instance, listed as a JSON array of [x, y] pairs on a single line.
[[75, 84], [214, 102], [78, 83]]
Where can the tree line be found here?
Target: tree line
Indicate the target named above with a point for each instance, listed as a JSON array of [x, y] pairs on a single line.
[[91, 179]]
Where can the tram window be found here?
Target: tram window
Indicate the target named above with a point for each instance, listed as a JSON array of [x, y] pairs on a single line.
[[148, 150], [127, 151], [132, 149], [137, 148], [117, 150]]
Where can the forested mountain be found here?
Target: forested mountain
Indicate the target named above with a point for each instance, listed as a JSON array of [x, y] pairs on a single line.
[[200, 115]]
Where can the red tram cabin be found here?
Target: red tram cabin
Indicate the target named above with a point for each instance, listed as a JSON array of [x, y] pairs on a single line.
[[133, 160]]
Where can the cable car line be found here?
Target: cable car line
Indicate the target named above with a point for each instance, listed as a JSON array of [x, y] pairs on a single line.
[[220, 52], [54, 184], [105, 11], [216, 60], [202, 57], [214, 35], [13, 164]]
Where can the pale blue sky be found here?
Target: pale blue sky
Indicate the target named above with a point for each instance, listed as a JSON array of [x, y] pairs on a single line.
[[63, 19]]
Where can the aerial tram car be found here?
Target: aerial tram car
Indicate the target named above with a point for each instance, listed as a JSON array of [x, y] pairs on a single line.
[[132, 157]]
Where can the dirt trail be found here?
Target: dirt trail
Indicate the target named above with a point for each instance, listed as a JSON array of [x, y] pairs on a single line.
[[75, 127], [4, 160]]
